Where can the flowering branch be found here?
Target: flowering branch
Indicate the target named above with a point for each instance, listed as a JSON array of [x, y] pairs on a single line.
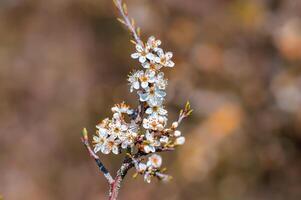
[[141, 132]]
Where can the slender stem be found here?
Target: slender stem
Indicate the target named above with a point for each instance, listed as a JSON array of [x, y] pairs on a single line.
[[100, 165], [129, 25]]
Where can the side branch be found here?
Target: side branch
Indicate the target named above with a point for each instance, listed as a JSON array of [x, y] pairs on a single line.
[[185, 112], [100, 165], [130, 24]]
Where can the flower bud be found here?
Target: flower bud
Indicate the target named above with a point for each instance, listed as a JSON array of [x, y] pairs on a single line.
[[175, 125], [114, 109], [160, 127], [177, 133], [116, 115], [180, 141]]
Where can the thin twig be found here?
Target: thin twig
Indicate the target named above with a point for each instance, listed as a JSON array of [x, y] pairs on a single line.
[[100, 165], [130, 25]]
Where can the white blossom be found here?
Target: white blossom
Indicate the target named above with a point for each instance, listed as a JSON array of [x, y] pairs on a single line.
[[121, 108], [99, 142], [152, 65], [153, 43], [118, 129], [177, 133], [146, 78], [154, 161], [134, 80], [175, 125], [142, 54], [154, 123], [128, 139], [156, 110], [151, 143], [164, 139], [110, 145], [161, 82], [153, 95], [165, 59]]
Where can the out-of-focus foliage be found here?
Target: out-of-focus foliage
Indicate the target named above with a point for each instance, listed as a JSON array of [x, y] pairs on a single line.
[[63, 63]]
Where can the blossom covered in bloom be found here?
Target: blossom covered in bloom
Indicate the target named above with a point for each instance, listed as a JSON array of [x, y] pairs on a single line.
[[149, 135], [114, 134]]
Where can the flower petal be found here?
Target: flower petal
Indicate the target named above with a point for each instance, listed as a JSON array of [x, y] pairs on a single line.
[[97, 148], [146, 65], [136, 85], [149, 111], [150, 56], [135, 55], [160, 53], [144, 97], [115, 150], [161, 93], [169, 55], [144, 85], [142, 59], [139, 48], [170, 63]]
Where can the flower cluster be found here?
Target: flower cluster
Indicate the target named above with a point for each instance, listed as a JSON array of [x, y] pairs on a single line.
[[115, 134], [150, 168], [151, 135]]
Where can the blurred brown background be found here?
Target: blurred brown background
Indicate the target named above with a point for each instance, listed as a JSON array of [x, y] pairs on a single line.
[[64, 63]]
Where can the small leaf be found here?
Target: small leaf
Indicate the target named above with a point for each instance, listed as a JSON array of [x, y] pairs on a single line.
[[125, 8], [135, 175], [187, 106], [121, 21], [163, 170], [139, 31], [133, 22], [85, 134], [134, 42], [189, 112]]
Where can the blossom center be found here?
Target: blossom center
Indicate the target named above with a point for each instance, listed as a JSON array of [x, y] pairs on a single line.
[[143, 79]]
